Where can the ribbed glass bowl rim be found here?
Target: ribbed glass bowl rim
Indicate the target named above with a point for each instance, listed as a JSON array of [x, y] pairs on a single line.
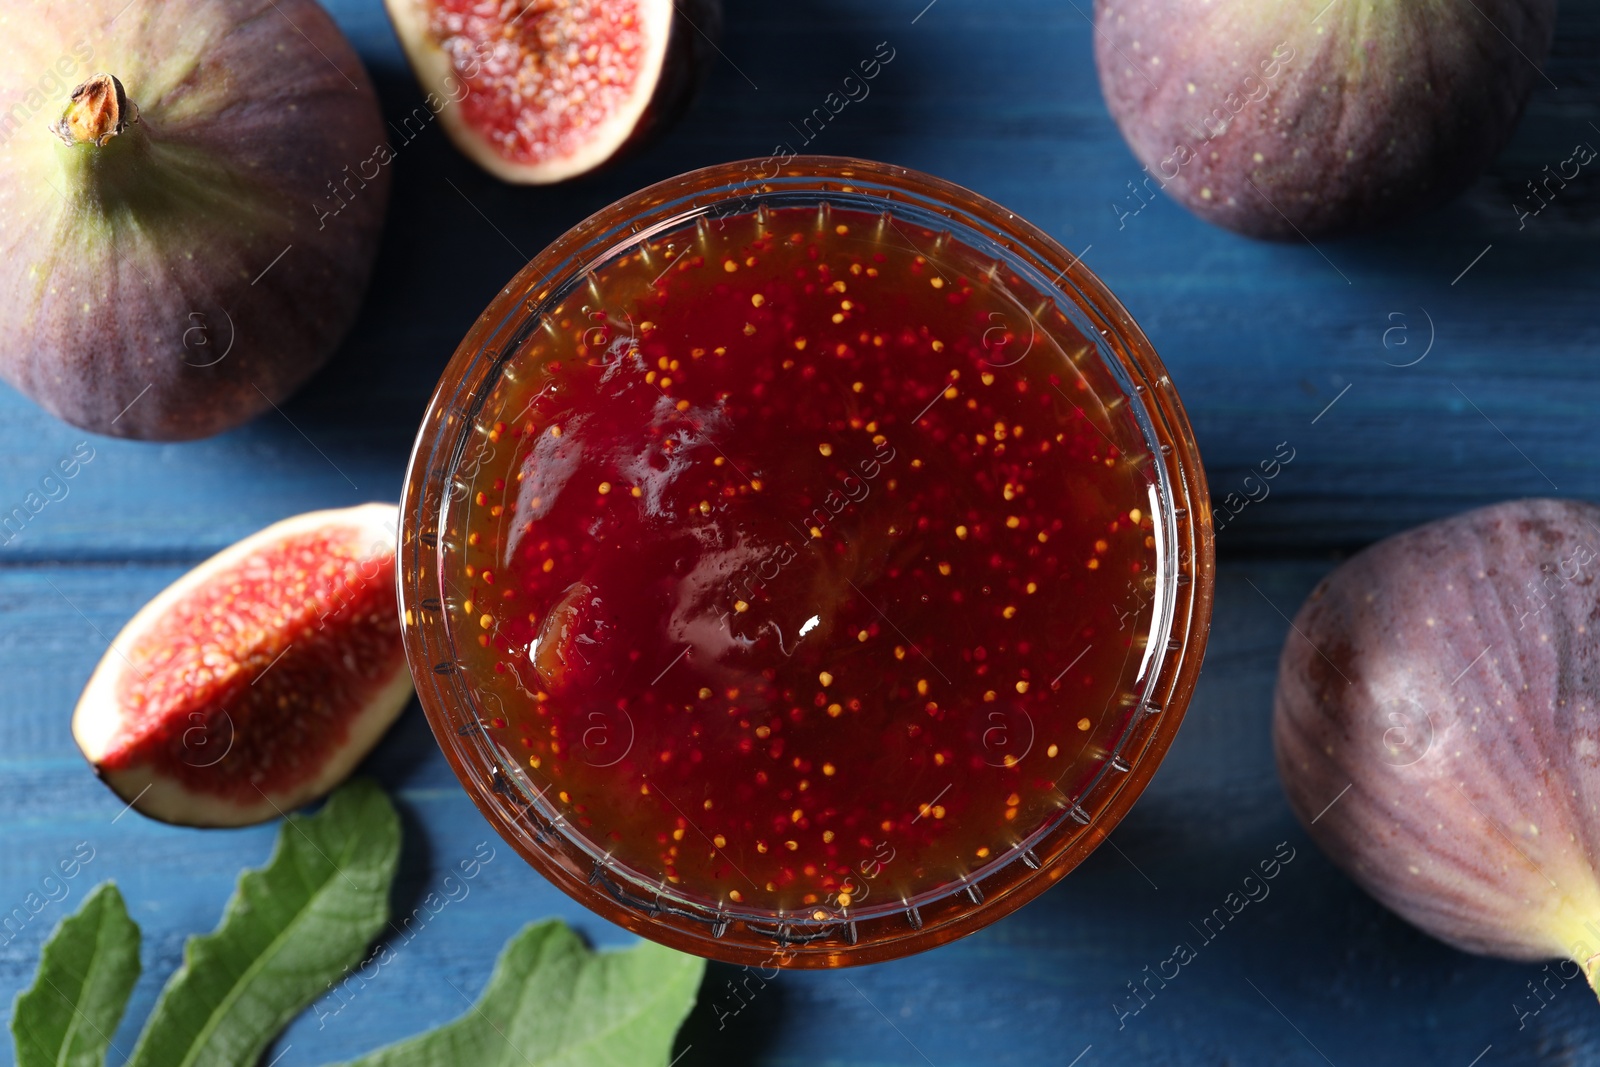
[[657, 911]]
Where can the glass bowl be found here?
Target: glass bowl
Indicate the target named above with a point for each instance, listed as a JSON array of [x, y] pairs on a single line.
[[1088, 349]]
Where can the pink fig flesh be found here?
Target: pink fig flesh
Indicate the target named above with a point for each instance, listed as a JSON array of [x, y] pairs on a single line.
[[257, 681], [542, 93]]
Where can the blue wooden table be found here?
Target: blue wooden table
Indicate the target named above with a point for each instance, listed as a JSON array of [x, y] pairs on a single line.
[[1267, 343]]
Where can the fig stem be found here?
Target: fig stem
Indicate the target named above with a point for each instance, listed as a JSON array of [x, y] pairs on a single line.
[[98, 111], [1591, 971]]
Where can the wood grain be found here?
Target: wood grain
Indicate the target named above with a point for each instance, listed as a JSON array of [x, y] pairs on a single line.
[[1260, 338]]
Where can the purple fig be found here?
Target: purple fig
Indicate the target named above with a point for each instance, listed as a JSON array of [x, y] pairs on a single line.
[[1319, 117], [186, 236], [1437, 727]]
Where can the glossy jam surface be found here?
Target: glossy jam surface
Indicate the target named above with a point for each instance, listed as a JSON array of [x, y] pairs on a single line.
[[804, 562]]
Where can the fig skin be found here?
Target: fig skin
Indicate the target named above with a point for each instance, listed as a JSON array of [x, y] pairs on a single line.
[[1344, 115], [1449, 677], [151, 260]]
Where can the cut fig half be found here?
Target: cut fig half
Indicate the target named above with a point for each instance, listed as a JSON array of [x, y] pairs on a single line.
[[539, 91], [256, 682]]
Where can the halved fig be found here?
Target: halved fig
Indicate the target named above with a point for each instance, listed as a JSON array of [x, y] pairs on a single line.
[[256, 682], [539, 91]]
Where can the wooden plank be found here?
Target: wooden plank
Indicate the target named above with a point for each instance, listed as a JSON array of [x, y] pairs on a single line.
[[1037, 987], [1259, 337]]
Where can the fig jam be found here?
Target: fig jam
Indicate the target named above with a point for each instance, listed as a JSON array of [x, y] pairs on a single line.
[[805, 562]]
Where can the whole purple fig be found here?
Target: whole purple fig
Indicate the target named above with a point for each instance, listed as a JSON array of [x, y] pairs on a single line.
[[1315, 117], [1437, 727], [191, 196]]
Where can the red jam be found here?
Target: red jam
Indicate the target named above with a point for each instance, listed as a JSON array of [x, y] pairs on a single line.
[[802, 566]]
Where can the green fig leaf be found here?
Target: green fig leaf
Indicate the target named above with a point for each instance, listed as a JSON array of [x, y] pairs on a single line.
[[86, 974], [290, 929], [552, 1002]]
